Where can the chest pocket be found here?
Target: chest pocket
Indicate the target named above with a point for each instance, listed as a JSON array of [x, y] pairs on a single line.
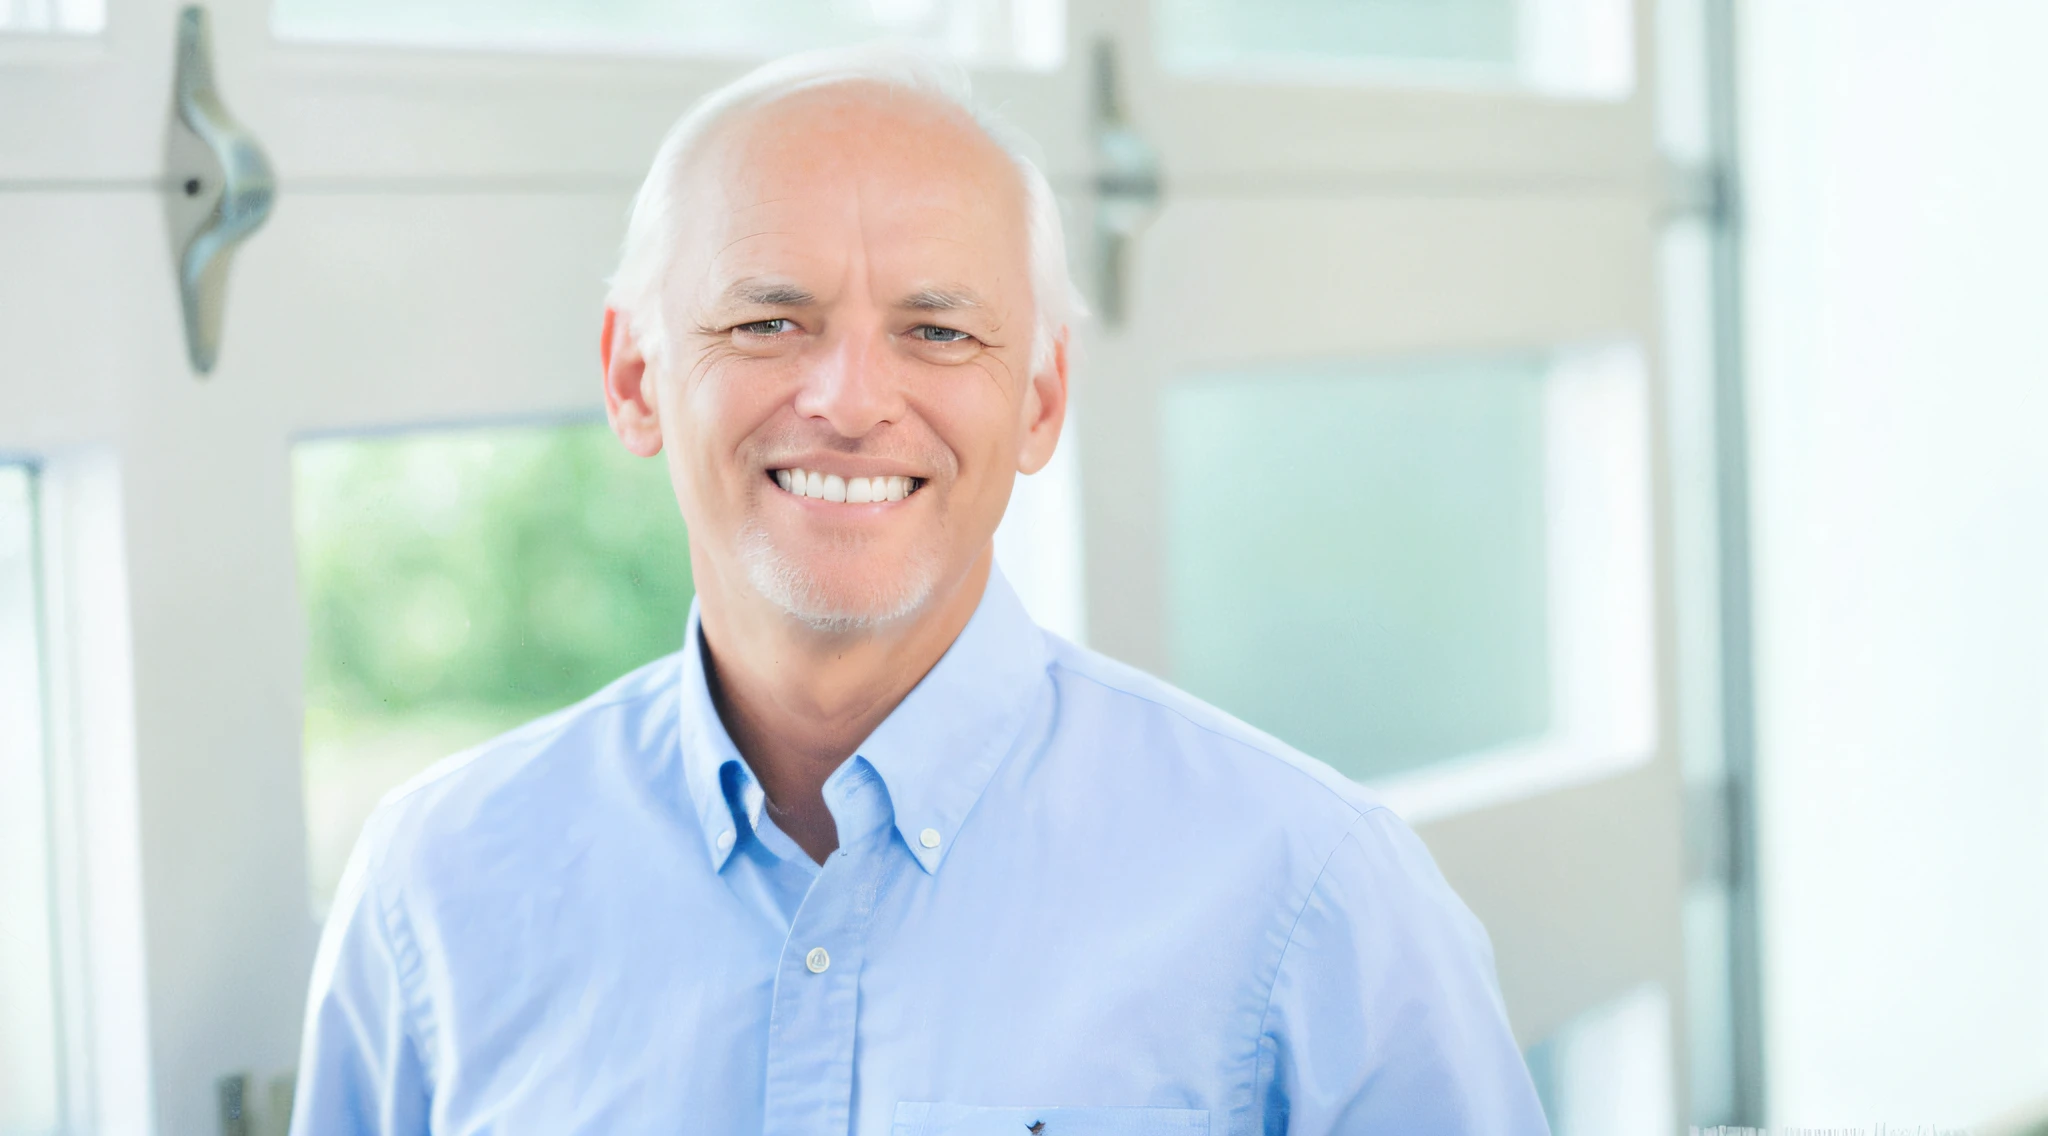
[[920, 1118]]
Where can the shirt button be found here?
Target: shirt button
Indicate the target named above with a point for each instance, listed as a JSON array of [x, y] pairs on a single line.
[[817, 960], [725, 840], [929, 838]]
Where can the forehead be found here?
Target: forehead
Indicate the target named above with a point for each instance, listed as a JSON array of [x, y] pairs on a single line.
[[911, 187]]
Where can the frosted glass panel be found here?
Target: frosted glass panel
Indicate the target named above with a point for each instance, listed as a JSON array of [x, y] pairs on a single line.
[[1357, 558], [28, 988], [460, 583], [1566, 47], [72, 17], [1607, 1072], [1009, 33]]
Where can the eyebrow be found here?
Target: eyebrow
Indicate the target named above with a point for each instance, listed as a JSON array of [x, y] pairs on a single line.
[[768, 293], [941, 298], [778, 294]]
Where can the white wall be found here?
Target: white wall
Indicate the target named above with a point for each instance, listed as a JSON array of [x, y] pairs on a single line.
[[1897, 158]]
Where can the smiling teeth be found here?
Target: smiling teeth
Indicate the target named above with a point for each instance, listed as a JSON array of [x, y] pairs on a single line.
[[853, 491]]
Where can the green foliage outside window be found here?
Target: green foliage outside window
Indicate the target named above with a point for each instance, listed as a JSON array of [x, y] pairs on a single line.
[[457, 584]]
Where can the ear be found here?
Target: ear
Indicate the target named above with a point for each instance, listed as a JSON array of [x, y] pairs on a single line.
[[628, 388], [1045, 409]]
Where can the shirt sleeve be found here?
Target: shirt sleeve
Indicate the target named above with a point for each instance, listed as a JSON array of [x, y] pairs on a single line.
[[360, 1067], [1386, 1014]]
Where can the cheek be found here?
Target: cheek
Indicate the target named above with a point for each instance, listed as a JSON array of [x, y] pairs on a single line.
[[979, 420], [979, 438], [714, 409]]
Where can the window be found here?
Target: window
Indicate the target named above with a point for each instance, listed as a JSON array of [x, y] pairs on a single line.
[[31, 1075], [1607, 1071], [459, 583], [64, 17], [1579, 48], [1432, 575], [1014, 33]]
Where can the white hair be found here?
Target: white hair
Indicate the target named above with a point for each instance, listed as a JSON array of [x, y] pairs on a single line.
[[639, 285]]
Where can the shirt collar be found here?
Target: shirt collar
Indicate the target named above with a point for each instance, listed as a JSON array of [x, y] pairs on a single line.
[[935, 752]]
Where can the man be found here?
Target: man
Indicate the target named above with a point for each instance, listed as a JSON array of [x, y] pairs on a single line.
[[874, 854]]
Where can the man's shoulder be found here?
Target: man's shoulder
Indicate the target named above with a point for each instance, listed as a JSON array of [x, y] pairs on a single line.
[[1259, 812], [550, 768], [1181, 729]]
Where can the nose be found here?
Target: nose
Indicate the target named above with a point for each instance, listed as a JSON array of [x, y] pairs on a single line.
[[851, 384]]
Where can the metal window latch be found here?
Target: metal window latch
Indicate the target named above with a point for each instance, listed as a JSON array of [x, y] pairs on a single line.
[[218, 190], [1702, 191], [232, 1091], [235, 1096], [1127, 188]]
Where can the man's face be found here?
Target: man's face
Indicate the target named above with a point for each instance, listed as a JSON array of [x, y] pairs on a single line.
[[848, 394]]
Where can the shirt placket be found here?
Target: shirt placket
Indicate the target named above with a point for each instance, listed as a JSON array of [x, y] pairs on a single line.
[[811, 1025]]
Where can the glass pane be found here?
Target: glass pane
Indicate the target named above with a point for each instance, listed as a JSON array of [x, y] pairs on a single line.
[[73, 17], [1582, 48], [1686, 276], [1709, 1007], [1607, 1072], [1357, 557], [458, 584], [1685, 94], [1005, 33], [28, 987]]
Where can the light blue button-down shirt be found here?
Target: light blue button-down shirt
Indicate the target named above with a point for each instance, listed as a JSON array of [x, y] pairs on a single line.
[[1068, 899]]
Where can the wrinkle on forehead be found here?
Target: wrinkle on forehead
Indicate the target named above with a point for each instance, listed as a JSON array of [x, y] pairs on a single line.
[[897, 168]]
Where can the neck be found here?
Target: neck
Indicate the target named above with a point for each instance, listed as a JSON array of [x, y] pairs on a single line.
[[797, 702]]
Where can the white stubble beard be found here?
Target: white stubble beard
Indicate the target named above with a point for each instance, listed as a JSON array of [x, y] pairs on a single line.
[[791, 585]]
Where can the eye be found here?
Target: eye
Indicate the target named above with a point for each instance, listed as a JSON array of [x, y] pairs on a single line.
[[932, 334], [767, 326]]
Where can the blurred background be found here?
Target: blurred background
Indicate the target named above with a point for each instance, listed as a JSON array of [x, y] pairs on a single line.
[[1610, 428]]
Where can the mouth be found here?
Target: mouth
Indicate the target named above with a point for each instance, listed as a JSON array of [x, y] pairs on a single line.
[[844, 490]]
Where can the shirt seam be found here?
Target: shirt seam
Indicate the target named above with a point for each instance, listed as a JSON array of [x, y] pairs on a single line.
[[407, 962], [1216, 733], [475, 753], [1273, 983]]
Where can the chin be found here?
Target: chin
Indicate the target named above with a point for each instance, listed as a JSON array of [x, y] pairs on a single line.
[[839, 590]]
